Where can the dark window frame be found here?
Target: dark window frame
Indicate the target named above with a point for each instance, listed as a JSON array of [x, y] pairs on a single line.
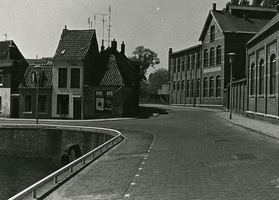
[[75, 77], [63, 104], [62, 77]]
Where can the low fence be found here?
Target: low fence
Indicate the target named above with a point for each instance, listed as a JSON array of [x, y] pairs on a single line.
[[70, 168]]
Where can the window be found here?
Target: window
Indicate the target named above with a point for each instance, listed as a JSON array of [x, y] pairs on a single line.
[[42, 103], [178, 65], [174, 65], [0, 103], [218, 57], [1, 77], [205, 87], [28, 103], [75, 77], [218, 86], [104, 100], [178, 85], [62, 77], [198, 60], [252, 86], [192, 88], [173, 86], [182, 86], [261, 78], [272, 74], [211, 86], [198, 88], [188, 89], [212, 33], [183, 63], [188, 62], [193, 61], [211, 56], [205, 61], [63, 104]]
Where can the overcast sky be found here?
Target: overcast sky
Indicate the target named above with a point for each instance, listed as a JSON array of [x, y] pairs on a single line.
[[36, 25]]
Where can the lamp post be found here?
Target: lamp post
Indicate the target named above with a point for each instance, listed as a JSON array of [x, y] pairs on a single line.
[[231, 60], [38, 73]]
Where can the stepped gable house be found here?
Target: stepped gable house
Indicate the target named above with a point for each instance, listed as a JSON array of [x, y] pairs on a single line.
[[12, 68], [112, 90], [224, 31], [27, 92], [72, 64], [263, 73]]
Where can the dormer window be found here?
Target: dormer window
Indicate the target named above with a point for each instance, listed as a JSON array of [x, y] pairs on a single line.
[[63, 52], [212, 33]]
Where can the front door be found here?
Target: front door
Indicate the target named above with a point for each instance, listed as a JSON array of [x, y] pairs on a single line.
[[77, 108]]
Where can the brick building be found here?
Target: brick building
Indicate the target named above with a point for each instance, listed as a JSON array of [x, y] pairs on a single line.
[[263, 73], [113, 90], [224, 31], [12, 68]]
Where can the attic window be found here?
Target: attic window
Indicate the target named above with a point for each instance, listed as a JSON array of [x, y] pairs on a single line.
[[82, 48], [63, 52]]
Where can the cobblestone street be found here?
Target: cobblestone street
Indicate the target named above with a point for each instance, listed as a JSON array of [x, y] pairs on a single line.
[[184, 154]]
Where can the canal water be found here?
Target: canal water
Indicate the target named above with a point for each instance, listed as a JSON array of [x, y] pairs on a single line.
[[18, 173]]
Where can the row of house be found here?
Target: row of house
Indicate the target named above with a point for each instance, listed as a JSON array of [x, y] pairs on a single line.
[[200, 75], [79, 82]]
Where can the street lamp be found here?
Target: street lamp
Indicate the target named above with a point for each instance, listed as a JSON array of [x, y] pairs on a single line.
[[231, 59], [38, 73]]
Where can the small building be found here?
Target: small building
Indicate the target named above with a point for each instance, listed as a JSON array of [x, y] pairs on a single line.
[[27, 92], [263, 73], [72, 64], [12, 68], [112, 90]]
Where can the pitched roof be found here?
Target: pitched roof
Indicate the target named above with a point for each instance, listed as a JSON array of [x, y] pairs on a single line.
[[274, 21], [112, 68], [5, 50], [74, 44], [45, 77], [229, 21]]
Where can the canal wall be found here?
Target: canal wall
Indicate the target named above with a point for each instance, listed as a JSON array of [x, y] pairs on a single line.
[[47, 142]]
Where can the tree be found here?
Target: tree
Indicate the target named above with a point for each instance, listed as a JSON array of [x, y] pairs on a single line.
[[265, 3], [241, 2], [157, 79], [147, 57]]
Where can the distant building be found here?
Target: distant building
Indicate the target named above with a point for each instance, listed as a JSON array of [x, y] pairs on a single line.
[[113, 90], [225, 31], [12, 68]]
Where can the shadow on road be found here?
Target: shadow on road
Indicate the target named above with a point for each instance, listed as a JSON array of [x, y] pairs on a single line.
[[146, 112]]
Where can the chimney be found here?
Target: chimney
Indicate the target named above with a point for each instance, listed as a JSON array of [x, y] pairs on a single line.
[[12, 50], [214, 7], [66, 27], [102, 47], [114, 45], [122, 48]]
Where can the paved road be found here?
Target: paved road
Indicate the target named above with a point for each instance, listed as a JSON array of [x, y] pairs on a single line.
[[182, 154]]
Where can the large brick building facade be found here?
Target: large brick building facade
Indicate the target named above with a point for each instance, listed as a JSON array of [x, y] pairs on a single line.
[[224, 31]]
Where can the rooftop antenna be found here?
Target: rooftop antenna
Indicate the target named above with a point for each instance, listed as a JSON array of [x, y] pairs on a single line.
[[109, 26], [6, 35], [103, 23]]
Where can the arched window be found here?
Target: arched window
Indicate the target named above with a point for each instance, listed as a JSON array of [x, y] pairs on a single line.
[[178, 65], [261, 77], [183, 63], [211, 86], [174, 86], [182, 86], [178, 85], [205, 58], [192, 88], [205, 87], [188, 89], [174, 65], [211, 56], [252, 86], [198, 88], [188, 62], [272, 74], [218, 86], [218, 56], [193, 61]]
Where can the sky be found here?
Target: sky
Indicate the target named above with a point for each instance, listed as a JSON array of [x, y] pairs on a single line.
[[36, 25]]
